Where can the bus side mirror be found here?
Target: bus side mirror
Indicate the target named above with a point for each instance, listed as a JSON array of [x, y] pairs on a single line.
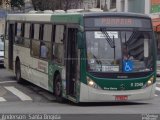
[[80, 40]]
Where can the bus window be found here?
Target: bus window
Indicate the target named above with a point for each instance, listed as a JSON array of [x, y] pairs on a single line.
[[46, 41], [27, 35], [19, 33], [32, 31], [36, 31], [36, 41], [35, 48], [58, 48]]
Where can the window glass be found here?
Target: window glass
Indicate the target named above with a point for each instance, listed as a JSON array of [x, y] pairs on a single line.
[[59, 34], [46, 42], [45, 50], [35, 48], [113, 4], [19, 33], [32, 31], [41, 32], [119, 51], [36, 31], [18, 29], [22, 30], [27, 35], [47, 32], [27, 30], [58, 47]]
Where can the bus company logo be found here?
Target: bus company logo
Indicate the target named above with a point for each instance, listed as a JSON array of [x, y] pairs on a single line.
[[150, 117], [122, 87]]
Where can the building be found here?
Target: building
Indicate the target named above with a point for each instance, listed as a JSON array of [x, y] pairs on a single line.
[[3, 14], [107, 5]]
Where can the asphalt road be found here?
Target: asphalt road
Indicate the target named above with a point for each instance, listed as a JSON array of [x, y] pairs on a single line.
[[27, 98]]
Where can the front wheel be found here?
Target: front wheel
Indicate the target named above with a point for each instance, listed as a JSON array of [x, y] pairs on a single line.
[[58, 89], [18, 71]]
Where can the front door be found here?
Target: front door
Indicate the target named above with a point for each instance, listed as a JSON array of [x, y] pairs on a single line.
[[71, 61]]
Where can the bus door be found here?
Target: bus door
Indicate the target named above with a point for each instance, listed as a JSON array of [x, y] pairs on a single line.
[[71, 61], [10, 45]]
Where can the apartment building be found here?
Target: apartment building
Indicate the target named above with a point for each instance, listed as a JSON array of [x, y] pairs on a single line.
[[107, 5]]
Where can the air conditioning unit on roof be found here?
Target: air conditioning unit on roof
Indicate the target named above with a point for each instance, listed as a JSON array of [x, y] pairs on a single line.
[[48, 11], [74, 10], [32, 12], [59, 11], [95, 10]]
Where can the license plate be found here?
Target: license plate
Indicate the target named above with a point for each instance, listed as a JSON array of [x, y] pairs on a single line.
[[121, 98]]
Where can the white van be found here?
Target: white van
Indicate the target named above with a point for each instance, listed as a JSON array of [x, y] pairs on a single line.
[[1, 52]]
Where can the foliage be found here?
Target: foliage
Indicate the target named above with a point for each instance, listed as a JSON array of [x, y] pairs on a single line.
[[17, 3], [13, 3], [56, 4]]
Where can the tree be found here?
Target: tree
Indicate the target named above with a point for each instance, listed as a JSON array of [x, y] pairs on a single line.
[[56, 4], [17, 3], [0, 2]]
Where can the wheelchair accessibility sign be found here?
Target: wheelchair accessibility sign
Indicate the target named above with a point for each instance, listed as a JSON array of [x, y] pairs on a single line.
[[127, 66]]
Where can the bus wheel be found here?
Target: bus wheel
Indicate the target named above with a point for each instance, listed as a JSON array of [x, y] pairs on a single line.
[[18, 71], [58, 89]]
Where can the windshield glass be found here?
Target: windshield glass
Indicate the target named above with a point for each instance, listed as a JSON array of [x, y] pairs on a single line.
[[119, 51], [1, 46]]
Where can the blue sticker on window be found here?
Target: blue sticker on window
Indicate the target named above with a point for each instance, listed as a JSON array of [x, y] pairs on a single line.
[[127, 66]]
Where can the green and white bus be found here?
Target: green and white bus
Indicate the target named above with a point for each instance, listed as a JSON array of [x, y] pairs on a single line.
[[84, 57]]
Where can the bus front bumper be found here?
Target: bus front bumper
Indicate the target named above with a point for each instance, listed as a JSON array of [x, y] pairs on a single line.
[[88, 94]]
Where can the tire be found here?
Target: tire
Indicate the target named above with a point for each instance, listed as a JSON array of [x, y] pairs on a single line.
[[58, 89], [18, 72]]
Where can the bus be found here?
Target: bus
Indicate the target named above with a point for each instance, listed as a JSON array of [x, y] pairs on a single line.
[[84, 56]]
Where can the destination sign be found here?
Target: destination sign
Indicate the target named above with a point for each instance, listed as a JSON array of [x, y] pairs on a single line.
[[118, 22]]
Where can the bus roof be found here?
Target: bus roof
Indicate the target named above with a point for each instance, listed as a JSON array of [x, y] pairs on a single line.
[[67, 17]]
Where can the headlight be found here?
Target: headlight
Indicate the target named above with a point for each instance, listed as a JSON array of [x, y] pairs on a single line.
[[92, 84], [149, 82]]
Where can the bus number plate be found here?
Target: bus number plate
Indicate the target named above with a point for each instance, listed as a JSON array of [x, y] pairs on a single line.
[[121, 98]]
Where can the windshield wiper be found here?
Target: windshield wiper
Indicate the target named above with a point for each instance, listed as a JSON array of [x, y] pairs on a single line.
[[134, 35], [109, 40], [107, 37]]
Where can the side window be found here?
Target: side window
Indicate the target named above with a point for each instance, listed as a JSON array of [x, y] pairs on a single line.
[[27, 35], [19, 33], [32, 31], [18, 39], [58, 46], [35, 41], [41, 29], [46, 41], [22, 30], [27, 30], [36, 31]]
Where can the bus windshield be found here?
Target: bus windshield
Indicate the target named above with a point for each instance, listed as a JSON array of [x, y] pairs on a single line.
[[1, 46], [119, 51]]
